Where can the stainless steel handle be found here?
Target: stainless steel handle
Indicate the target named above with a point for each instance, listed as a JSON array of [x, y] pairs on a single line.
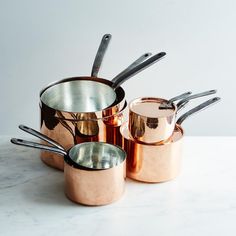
[[41, 136], [181, 96], [100, 54], [179, 108], [25, 143], [138, 69], [169, 103], [197, 95], [198, 108], [131, 66]]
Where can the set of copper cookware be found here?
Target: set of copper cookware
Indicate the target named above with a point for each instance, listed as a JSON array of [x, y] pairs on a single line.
[[153, 136], [83, 132]]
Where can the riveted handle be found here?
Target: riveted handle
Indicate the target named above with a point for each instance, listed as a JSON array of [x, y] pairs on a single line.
[[169, 103]]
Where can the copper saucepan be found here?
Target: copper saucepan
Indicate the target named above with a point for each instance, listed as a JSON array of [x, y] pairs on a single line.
[[89, 95], [152, 120], [157, 162], [69, 132], [94, 171], [71, 127]]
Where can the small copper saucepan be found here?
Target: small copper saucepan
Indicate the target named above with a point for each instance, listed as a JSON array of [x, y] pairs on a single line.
[[94, 171], [157, 162], [152, 119]]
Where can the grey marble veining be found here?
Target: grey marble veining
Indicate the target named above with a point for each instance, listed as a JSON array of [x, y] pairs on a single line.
[[18, 165], [201, 201]]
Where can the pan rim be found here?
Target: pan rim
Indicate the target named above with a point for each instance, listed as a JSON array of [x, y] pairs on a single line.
[[140, 100], [75, 165], [117, 105]]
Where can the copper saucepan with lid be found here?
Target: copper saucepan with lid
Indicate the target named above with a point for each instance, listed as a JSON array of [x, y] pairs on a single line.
[[152, 120], [157, 162], [94, 171]]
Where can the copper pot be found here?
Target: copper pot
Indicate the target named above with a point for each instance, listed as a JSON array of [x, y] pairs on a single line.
[[152, 119], [91, 96], [68, 132], [63, 119], [149, 162], [157, 162], [148, 123], [94, 171]]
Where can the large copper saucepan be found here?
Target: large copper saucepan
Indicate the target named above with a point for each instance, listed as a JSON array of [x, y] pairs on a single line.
[[69, 126], [94, 171], [90, 95], [161, 161], [68, 132]]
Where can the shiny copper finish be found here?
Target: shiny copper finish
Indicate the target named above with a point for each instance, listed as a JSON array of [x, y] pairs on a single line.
[[69, 132], [98, 187], [113, 109], [153, 162], [95, 172], [148, 123]]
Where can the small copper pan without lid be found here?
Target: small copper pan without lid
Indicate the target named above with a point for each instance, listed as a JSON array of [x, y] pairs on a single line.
[[94, 171], [152, 120], [157, 162]]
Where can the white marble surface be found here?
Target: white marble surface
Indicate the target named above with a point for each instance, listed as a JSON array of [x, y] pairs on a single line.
[[201, 201]]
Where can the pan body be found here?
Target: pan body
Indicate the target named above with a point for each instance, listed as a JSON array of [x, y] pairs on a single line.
[[72, 127], [152, 163], [148, 123], [103, 182], [69, 132]]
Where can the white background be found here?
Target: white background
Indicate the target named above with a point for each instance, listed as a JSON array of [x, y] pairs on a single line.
[[44, 41]]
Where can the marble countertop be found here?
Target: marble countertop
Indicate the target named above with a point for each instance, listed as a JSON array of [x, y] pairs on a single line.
[[200, 201]]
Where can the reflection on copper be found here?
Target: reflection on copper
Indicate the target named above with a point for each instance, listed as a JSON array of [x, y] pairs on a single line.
[[148, 123], [113, 109], [95, 187], [153, 162], [73, 131]]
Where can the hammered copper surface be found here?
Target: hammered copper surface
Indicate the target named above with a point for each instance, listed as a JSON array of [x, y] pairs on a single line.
[[98, 187], [153, 162], [148, 123]]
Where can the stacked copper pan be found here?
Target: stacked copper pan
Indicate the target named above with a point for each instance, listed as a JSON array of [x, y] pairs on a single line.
[[153, 138], [87, 108], [70, 128]]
